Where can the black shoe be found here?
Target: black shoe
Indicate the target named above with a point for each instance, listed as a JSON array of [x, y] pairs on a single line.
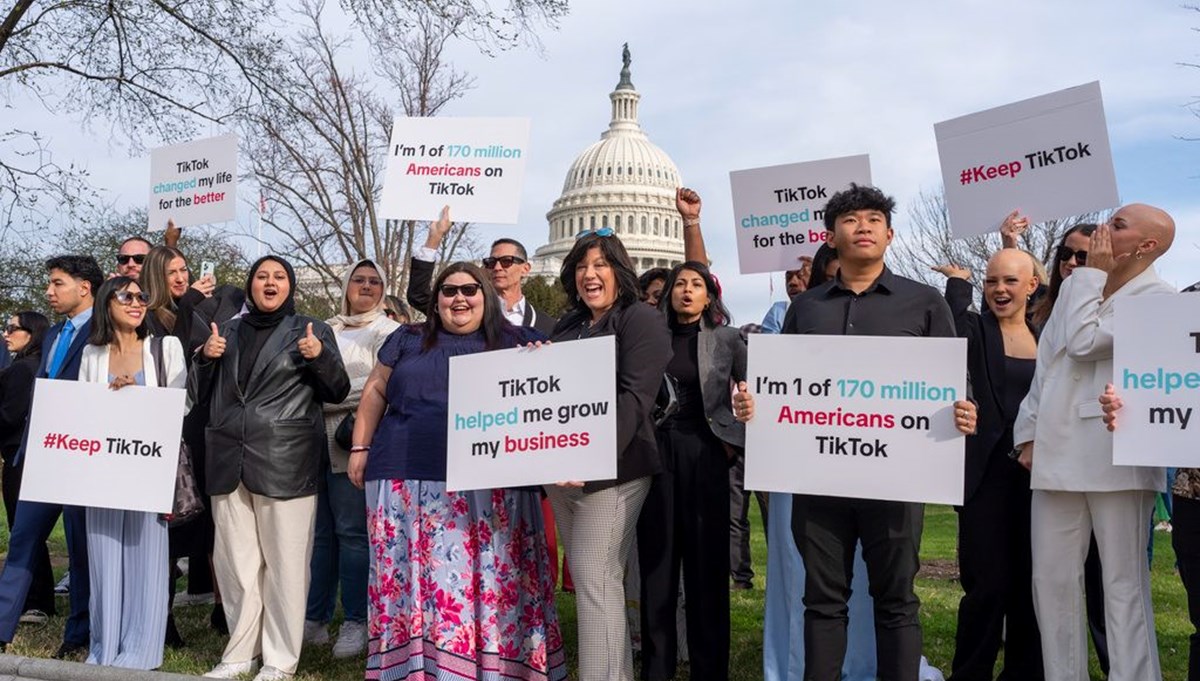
[[173, 639], [67, 650], [743, 586], [217, 620]]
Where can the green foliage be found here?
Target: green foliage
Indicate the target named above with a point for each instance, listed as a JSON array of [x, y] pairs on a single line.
[[546, 295]]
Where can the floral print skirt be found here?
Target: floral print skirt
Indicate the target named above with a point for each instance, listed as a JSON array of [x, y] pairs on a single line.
[[460, 585]]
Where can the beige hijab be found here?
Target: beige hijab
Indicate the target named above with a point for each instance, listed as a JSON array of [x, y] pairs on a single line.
[[345, 320]]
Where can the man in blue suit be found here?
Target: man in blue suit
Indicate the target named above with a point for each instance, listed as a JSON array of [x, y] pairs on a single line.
[[73, 283]]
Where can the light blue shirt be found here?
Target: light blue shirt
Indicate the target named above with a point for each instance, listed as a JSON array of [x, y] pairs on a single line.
[[773, 322]]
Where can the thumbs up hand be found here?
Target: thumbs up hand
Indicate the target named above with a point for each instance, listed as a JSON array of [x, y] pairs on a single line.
[[214, 347], [309, 345]]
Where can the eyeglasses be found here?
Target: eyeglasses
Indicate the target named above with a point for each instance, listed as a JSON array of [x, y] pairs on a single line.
[[372, 281], [468, 290], [506, 261], [1065, 254], [602, 232], [128, 298], [123, 258], [13, 328]]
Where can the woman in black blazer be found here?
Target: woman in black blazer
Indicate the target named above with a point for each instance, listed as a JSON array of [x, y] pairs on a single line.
[[993, 523], [685, 518], [23, 335]]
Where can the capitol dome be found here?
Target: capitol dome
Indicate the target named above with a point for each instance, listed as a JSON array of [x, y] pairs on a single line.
[[625, 182]]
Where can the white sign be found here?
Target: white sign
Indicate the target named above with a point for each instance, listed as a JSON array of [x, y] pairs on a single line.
[[91, 446], [779, 211], [865, 417], [194, 183], [1047, 157], [1156, 373], [474, 165], [533, 417]]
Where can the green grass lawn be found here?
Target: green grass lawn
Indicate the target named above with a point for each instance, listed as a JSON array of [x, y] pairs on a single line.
[[937, 587]]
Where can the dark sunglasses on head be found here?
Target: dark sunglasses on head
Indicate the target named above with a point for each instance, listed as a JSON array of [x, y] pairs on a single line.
[[13, 328], [468, 290], [1065, 254], [506, 261], [603, 232], [123, 259], [127, 297]]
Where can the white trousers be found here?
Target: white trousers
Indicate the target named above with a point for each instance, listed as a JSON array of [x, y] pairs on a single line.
[[597, 532], [1062, 526], [261, 557]]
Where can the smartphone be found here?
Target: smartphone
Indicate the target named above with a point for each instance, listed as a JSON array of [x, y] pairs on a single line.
[[208, 268]]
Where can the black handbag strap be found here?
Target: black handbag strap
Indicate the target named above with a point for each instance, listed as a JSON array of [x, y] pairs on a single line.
[[156, 351]]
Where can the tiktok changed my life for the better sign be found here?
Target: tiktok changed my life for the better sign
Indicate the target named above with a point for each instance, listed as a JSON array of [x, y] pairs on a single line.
[[865, 417]]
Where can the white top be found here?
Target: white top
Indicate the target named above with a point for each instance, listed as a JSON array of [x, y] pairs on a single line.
[[1061, 415], [359, 348]]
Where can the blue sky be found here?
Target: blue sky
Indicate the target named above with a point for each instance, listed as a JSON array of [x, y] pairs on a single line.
[[727, 86]]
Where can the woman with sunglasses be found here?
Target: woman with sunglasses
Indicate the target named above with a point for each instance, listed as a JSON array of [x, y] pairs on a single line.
[[265, 376], [340, 553], [460, 581], [1071, 252], [597, 520], [127, 550], [685, 518], [23, 342]]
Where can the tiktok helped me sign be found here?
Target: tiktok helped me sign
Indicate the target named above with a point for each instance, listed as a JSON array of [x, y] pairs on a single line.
[[91, 446], [533, 416]]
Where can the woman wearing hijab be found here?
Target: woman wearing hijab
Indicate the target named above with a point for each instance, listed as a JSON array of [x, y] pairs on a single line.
[[340, 554], [265, 375]]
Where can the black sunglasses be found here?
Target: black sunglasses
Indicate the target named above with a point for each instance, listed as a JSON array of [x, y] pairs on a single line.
[[468, 290], [1065, 253], [13, 328], [127, 297], [123, 259], [506, 261]]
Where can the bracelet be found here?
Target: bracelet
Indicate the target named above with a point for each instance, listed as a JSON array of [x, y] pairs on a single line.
[[691, 222], [360, 448]]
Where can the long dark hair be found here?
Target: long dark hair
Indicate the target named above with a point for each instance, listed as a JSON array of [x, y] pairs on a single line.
[[824, 255], [715, 313], [37, 325], [628, 290], [1041, 311], [103, 331], [494, 326]]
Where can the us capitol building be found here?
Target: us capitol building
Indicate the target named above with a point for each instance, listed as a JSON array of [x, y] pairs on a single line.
[[624, 181]]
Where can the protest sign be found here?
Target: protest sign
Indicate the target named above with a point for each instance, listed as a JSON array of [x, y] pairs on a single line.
[[474, 165], [779, 211], [194, 183], [1047, 157], [532, 417], [91, 446], [865, 417], [1156, 373]]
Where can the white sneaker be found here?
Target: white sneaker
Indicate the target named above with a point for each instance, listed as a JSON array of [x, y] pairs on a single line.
[[34, 617], [232, 670], [272, 674], [184, 599], [64, 585], [351, 641], [316, 633]]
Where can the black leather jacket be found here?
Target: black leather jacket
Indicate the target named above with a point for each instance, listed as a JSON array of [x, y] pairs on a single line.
[[272, 437]]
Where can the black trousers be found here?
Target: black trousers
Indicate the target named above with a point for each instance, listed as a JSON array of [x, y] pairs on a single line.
[[685, 519], [1093, 590], [995, 569], [826, 530], [741, 569], [41, 589], [1185, 537]]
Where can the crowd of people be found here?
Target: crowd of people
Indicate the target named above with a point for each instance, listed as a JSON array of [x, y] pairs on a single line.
[[321, 449]]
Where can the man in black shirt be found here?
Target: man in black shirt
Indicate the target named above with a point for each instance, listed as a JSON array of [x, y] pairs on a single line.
[[864, 299]]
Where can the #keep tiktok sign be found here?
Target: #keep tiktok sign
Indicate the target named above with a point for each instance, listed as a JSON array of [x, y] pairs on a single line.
[[1047, 157]]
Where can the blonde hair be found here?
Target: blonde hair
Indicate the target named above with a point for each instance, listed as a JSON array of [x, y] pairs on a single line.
[[153, 281]]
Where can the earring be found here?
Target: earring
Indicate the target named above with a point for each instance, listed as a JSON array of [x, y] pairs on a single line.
[[1138, 256]]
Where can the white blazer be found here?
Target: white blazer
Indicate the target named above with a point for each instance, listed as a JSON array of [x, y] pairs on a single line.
[[1072, 450], [93, 366]]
